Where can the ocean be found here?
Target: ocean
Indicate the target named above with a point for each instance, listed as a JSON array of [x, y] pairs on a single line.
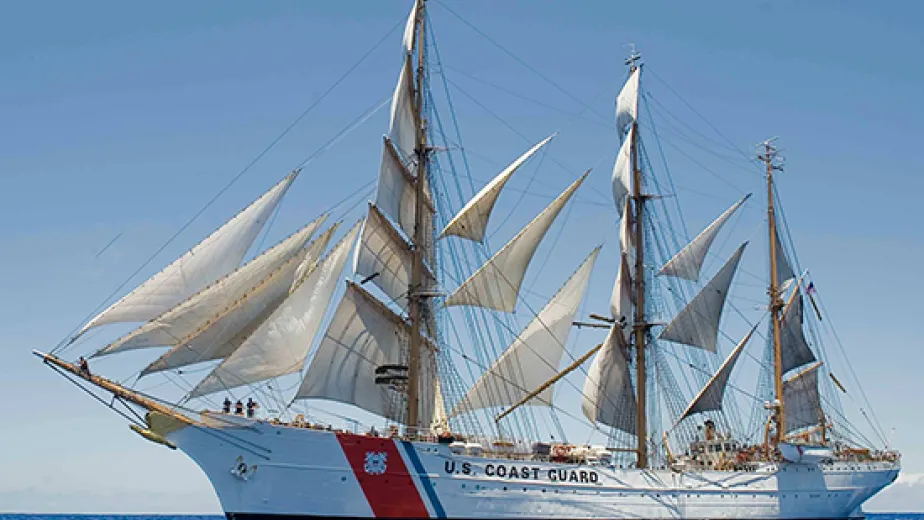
[[3, 516]]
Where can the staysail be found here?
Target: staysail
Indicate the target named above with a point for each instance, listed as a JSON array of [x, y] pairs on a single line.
[[697, 324], [608, 396], [192, 313], [688, 263], [535, 355], [472, 220], [219, 254], [496, 284], [710, 397], [218, 336], [280, 344]]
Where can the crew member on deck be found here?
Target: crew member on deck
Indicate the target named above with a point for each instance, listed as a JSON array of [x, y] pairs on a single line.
[[84, 366], [251, 408], [226, 406], [239, 408]]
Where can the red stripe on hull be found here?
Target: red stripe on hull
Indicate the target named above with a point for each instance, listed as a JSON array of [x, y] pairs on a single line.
[[388, 486]]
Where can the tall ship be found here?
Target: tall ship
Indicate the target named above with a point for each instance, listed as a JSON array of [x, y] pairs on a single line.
[[446, 407]]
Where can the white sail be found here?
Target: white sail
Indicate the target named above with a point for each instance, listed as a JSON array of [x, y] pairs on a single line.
[[627, 103], [622, 301], [199, 308], [710, 397], [385, 258], [396, 195], [496, 284], [697, 324], [794, 350], [472, 220], [802, 402], [403, 126], [627, 238], [409, 36], [784, 272], [217, 255], [688, 263], [622, 174], [280, 344], [362, 336], [535, 355], [608, 396], [226, 328]]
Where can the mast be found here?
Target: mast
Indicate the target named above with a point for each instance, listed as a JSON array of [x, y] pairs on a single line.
[[776, 302], [415, 290], [641, 327]]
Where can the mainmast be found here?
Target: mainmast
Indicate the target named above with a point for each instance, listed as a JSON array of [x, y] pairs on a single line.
[[768, 155], [415, 291], [640, 327]]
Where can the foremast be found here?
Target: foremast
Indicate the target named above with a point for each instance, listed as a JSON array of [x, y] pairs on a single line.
[[415, 291], [640, 328], [768, 155]]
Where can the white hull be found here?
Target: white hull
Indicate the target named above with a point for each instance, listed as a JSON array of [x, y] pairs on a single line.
[[311, 473]]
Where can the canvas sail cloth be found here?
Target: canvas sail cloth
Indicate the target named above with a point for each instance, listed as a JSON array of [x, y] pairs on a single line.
[[697, 324], [217, 255], [362, 336], [622, 301], [802, 400], [627, 103], [688, 263], [623, 178], [608, 396], [396, 195], [384, 257], [794, 349], [496, 285], [180, 321], [784, 272], [225, 330], [472, 220], [710, 397], [535, 355], [280, 344]]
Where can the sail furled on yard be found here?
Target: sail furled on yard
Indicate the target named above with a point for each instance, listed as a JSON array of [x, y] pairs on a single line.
[[364, 341], [281, 343], [196, 310], [535, 354], [710, 397], [217, 255], [803, 402], [697, 324], [688, 263], [472, 220], [384, 257], [627, 103], [622, 175], [218, 336], [496, 284], [794, 349], [608, 397]]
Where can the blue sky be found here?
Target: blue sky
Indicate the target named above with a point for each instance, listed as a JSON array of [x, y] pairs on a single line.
[[126, 118]]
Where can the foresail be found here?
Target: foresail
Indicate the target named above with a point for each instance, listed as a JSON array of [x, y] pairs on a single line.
[[608, 396], [472, 220], [226, 328], [627, 103], [196, 310], [384, 258], [794, 350], [496, 284], [219, 254], [622, 174], [688, 263], [697, 324], [710, 397], [363, 336], [535, 355], [280, 344], [802, 400]]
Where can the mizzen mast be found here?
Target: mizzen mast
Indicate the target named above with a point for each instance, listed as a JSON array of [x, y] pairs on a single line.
[[415, 295], [769, 156]]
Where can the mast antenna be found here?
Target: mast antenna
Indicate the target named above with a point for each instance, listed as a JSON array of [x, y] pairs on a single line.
[[634, 56]]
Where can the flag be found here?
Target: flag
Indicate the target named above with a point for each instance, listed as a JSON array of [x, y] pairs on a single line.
[[810, 290]]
